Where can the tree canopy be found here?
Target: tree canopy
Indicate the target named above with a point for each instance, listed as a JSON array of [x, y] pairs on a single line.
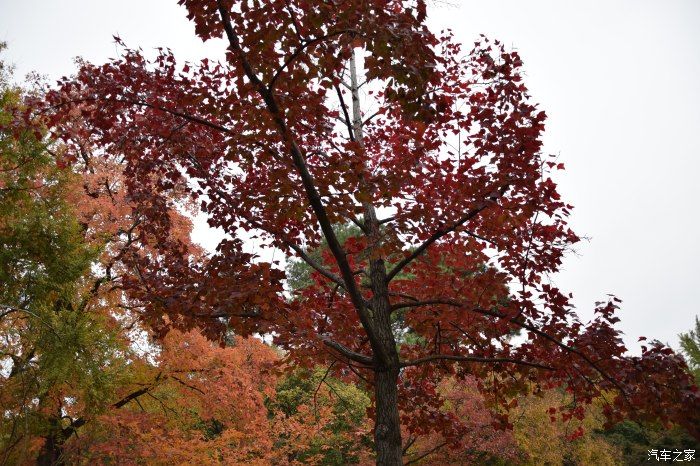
[[323, 115]]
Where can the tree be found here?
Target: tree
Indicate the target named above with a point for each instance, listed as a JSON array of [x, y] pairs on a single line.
[[338, 407], [690, 346], [68, 238], [634, 440], [461, 220], [546, 437], [479, 442], [198, 404], [201, 403], [54, 354]]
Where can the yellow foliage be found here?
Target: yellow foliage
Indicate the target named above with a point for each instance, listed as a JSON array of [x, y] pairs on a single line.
[[547, 442]]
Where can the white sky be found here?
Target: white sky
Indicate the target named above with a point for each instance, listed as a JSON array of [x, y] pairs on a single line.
[[619, 80]]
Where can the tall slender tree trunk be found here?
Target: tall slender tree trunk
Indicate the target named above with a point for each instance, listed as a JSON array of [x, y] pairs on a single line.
[[387, 427]]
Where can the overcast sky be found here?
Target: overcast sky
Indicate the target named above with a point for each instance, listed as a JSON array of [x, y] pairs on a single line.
[[619, 80]]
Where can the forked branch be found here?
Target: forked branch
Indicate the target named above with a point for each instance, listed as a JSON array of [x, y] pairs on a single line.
[[447, 230]]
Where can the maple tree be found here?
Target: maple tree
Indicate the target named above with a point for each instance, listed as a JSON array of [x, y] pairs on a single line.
[[198, 403], [460, 222]]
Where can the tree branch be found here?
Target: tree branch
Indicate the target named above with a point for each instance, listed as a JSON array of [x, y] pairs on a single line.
[[456, 357], [297, 52], [445, 231], [315, 265], [521, 324], [403, 305], [346, 114], [140, 103], [348, 353], [308, 182], [359, 224], [76, 424], [429, 452]]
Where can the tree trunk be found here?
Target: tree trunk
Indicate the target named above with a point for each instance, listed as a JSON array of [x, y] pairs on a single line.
[[387, 429], [51, 453]]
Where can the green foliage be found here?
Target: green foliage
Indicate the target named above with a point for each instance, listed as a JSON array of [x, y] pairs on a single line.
[[299, 272], [634, 440], [42, 252], [690, 345], [348, 404], [56, 353]]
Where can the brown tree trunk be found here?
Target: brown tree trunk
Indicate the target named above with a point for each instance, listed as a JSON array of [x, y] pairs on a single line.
[[51, 453], [387, 429]]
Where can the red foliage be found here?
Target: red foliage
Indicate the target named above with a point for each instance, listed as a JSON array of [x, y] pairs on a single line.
[[452, 156]]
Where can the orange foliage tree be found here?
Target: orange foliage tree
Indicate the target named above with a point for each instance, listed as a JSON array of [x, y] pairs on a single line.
[[198, 403]]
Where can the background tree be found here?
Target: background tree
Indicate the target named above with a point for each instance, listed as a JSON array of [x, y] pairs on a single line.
[[635, 439], [547, 436], [198, 403], [690, 346], [54, 353], [479, 442], [69, 241], [344, 438], [76, 358], [461, 221]]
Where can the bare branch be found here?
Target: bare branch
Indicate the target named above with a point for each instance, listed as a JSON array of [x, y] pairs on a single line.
[[359, 224], [423, 455], [369, 118], [434, 302], [316, 266], [346, 114]]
